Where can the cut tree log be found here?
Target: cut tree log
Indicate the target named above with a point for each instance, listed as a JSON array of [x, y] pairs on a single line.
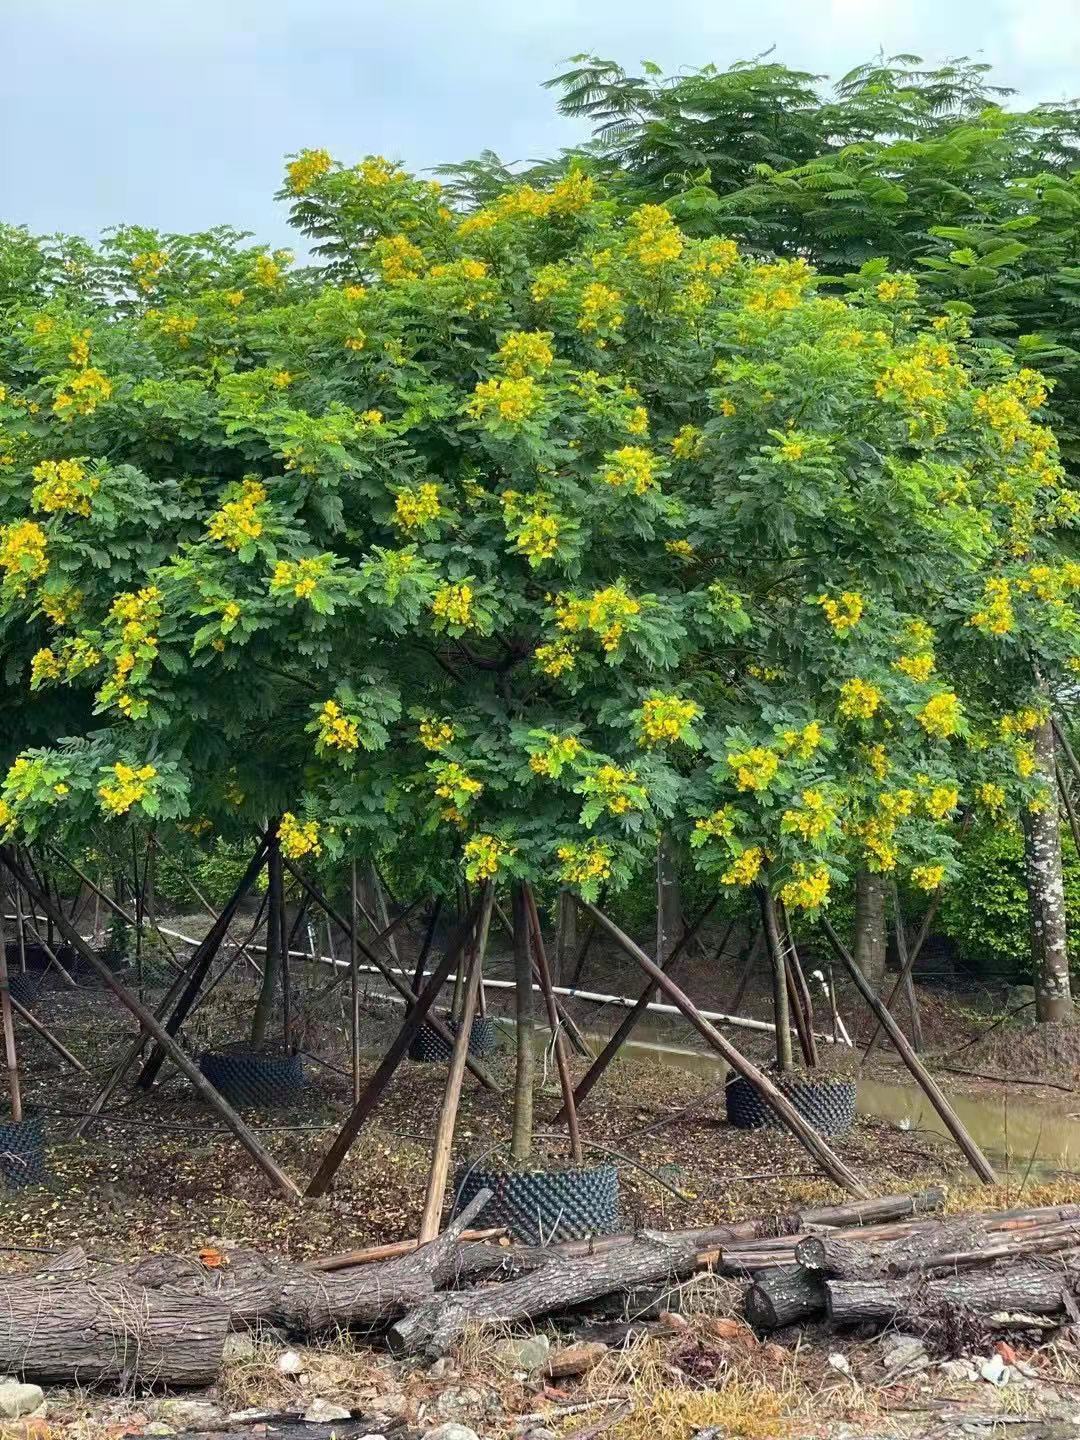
[[1030, 1288], [559, 1285], [783, 1295]]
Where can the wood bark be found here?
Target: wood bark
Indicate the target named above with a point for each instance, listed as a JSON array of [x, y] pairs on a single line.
[[1046, 893], [869, 946], [7, 1027], [783, 1295]]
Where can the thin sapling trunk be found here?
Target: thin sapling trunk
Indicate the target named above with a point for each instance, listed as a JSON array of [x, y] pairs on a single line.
[[522, 1137], [264, 1006]]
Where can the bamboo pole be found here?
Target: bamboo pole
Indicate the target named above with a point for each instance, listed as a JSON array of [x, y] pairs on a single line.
[[46, 1035], [975, 1157], [403, 988], [444, 1133], [811, 1141], [558, 1038], [241, 945], [103, 897], [800, 991], [909, 983], [54, 962], [354, 988], [381, 936], [522, 1132], [907, 967], [149, 1021], [372, 1092], [589, 1080], [11, 1061]]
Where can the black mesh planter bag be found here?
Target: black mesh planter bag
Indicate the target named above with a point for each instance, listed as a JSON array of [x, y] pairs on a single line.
[[22, 1153], [24, 986], [253, 1077], [538, 1206], [429, 1047], [826, 1104]]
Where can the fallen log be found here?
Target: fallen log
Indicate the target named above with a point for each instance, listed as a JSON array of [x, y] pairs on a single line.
[[784, 1295], [559, 1285], [1030, 1288], [67, 1326]]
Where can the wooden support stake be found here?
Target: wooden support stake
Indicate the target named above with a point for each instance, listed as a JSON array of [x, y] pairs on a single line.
[[444, 1133], [774, 946], [11, 1060], [354, 989], [149, 1021], [800, 993], [905, 970], [629, 1023], [565, 1081], [46, 1034], [372, 1093], [907, 967], [975, 1157], [103, 897], [401, 986], [808, 1137]]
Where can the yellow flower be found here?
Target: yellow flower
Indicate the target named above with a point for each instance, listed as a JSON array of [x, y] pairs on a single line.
[[942, 801], [601, 308], [719, 825], [526, 352], [745, 868], [356, 341], [941, 715], [655, 238], [845, 613], [436, 734], [300, 576], [617, 789], [298, 839], [506, 400], [630, 468], [815, 817], [538, 536], [452, 603], [397, 258], [23, 555], [417, 505], [584, 863], [559, 751], [377, 171], [897, 287], [878, 760], [928, 877], [235, 298], [63, 485], [309, 166], [267, 272], [556, 659], [337, 731], [131, 786], [859, 700], [688, 443], [990, 795], [638, 421], [754, 768], [682, 548], [281, 379], [802, 743], [82, 394], [239, 520], [45, 666], [484, 856], [79, 354], [808, 889], [664, 718], [917, 667]]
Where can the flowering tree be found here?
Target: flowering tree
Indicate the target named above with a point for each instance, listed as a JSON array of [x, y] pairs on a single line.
[[534, 530]]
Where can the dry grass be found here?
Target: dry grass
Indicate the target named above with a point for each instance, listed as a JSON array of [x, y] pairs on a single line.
[[1014, 1194], [337, 1368]]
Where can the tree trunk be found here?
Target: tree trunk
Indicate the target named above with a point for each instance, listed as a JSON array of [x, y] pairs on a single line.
[[783, 1295], [1046, 893], [275, 943], [1032, 1288], [668, 899], [566, 941], [869, 948], [781, 1012], [521, 1140]]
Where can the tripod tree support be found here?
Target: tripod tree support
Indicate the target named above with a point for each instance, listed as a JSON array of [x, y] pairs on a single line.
[[806, 1135], [262, 1157]]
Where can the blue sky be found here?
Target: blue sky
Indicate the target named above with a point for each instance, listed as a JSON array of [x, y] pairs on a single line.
[[176, 113]]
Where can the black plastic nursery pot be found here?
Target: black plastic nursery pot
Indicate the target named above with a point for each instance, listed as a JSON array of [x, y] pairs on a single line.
[[22, 1153], [827, 1104], [247, 1077], [538, 1206], [429, 1047], [24, 986]]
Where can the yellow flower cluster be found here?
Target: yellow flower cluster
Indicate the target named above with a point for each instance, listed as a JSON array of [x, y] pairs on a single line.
[[79, 354], [454, 781], [556, 659], [309, 166], [526, 352], [877, 759], [807, 889], [63, 485], [745, 868], [569, 197], [897, 287], [180, 328], [941, 801], [717, 826], [417, 505], [601, 308], [537, 535], [928, 877], [300, 576], [239, 520], [754, 768], [46, 665], [682, 548], [452, 603], [1007, 407], [267, 272], [844, 613], [436, 734], [814, 818], [298, 838], [605, 612], [484, 856], [377, 171], [560, 750], [147, 266], [617, 789], [23, 556], [778, 287], [131, 786], [859, 699], [396, 258], [508, 400], [802, 743], [941, 715], [1021, 722], [336, 730], [82, 394], [356, 341], [918, 667], [655, 238], [996, 617], [664, 718], [584, 864], [991, 796], [638, 421], [630, 468], [688, 443]]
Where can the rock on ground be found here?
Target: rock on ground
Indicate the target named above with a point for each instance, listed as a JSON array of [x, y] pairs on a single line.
[[17, 1399]]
